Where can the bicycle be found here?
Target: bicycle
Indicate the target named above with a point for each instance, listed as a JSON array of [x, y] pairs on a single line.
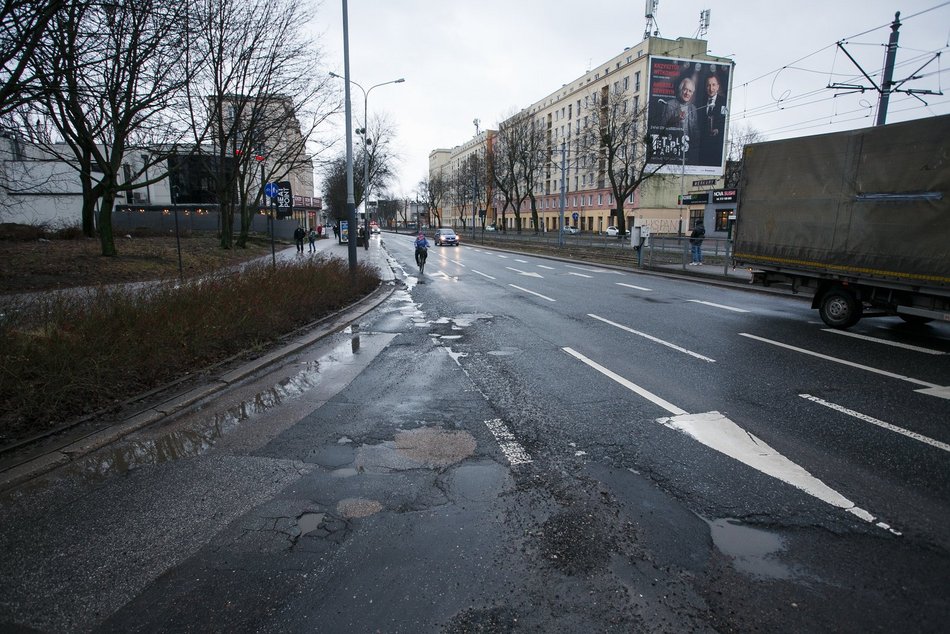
[[421, 255]]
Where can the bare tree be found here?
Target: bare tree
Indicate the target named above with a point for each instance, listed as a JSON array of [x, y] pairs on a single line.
[[738, 139], [260, 99], [432, 192], [23, 24], [616, 148], [111, 78], [518, 153]]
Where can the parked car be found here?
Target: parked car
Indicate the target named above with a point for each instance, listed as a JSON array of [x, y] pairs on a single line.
[[446, 236], [613, 231], [571, 230], [490, 228]]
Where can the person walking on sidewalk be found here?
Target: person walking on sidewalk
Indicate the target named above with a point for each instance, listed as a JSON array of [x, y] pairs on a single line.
[[312, 237], [299, 235], [696, 243]]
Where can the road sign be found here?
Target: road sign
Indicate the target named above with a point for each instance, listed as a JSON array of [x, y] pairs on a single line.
[[270, 190], [575, 215]]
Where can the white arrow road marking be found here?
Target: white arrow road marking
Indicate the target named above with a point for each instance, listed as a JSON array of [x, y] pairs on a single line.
[[639, 288], [896, 344], [510, 446], [483, 274], [550, 268], [443, 274], [934, 390], [528, 273], [879, 423], [532, 292], [579, 274], [699, 301], [654, 339], [718, 432]]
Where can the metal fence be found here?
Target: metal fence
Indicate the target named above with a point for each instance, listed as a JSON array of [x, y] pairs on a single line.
[[660, 252], [205, 221]]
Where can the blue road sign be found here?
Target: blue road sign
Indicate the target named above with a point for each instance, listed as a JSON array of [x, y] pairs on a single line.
[[270, 190], [575, 215]]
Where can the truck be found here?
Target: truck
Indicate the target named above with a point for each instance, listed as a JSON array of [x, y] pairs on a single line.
[[860, 219]]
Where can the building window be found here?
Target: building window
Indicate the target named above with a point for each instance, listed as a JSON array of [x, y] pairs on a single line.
[[636, 103], [578, 107], [636, 80], [600, 199], [570, 111], [590, 200], [575, 183], [626, 82], [722, 219]]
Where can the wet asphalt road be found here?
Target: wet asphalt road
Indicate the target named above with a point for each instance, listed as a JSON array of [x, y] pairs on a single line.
[[459, 461]]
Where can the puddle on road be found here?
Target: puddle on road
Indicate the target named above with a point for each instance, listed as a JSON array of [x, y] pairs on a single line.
[[415, 449], [309, 522], [753, 551]]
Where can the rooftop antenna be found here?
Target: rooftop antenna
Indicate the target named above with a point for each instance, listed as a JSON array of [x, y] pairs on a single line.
[[703, 23], [650, 14]]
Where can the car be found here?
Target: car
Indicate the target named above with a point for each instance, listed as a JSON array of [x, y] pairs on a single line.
[[571, 230], [613, 231], [490, 228], [373, 227], [446, 236]]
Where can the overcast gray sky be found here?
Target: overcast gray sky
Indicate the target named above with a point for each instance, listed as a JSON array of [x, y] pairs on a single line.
[[484, 59]]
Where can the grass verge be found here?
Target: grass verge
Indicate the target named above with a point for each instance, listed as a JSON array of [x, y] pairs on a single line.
[[65, 355]]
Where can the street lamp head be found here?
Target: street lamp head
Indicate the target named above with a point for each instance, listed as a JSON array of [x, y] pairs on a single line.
[[332, 74], [400, 80]]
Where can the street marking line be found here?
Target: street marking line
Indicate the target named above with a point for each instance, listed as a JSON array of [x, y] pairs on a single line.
[[699, 301], [633, 387], [639, 288], [541, 266], [579, 274], [503, 257], [896, 344], [459, 263], [483, 274], [652, 338], [879, 423], [509, 445], [527, 273], [533, 293], [718, 432], [842, 361], [721, 434], [585, 268], [522, 261]]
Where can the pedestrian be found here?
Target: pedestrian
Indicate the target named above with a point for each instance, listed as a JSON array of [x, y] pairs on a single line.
[[696, 243], [299, 235], [336, 231], [361, 235], [312, 236], [319, 231]]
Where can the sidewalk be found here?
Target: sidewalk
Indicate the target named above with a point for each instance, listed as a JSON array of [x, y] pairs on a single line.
[[31, 460]]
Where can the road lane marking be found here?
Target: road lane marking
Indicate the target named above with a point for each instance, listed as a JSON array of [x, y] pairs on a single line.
[[483, 274], [445, 275], [654, 339], [503, 257], [579, 274], [650, 396], [509, 445], [721, 434], [588, 269], [527, 273], [532, 292], [896, 344], [722, 306], [842, 361], [459, 263], [639, 288], [879, 423], [522, 261], [541, 266]]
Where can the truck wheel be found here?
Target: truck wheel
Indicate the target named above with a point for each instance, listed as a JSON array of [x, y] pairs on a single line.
[[840, 308]]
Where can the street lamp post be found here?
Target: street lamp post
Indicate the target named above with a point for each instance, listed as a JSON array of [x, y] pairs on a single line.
[[366, 143]]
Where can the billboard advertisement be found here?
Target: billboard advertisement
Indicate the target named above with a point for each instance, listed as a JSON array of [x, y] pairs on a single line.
[[687, 115]]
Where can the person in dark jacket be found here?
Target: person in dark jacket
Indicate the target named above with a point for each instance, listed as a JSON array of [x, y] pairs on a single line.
[[696, 243], [299, 235]]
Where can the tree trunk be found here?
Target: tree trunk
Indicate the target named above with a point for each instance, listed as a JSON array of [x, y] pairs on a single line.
[[106, 238]]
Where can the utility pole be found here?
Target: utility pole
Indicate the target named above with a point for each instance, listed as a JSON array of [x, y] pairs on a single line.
[[888, 85], [887, 80], [560, 231]]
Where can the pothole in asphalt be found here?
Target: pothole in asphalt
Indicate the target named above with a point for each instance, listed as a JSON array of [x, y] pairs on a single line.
[[309, 522], [753, 551], [416, 448], [352, 508]]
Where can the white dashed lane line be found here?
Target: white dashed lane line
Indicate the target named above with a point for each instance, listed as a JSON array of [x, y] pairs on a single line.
[[653, 339], [532, 293], [722, 306], [896, 344], [639, 288]]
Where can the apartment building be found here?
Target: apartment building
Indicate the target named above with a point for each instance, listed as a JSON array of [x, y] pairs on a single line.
[[680, 95]]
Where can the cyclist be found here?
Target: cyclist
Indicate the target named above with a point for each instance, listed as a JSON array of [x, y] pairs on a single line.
[[422, 246]]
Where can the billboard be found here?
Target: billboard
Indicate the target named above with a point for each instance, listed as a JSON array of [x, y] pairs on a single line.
[[687, 114]]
